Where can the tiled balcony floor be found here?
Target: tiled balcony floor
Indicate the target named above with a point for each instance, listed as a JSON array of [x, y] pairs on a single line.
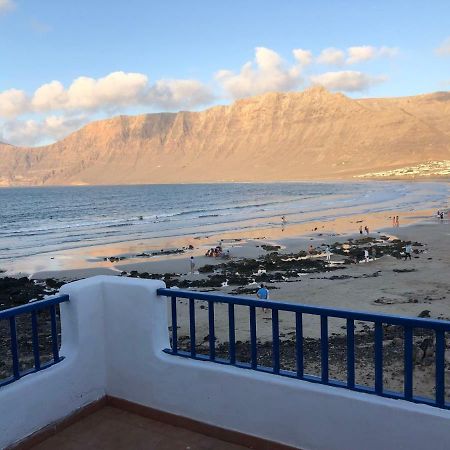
[[115, 429]]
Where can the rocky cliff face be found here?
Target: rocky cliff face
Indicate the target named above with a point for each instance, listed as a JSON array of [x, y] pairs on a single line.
[[277, 136]]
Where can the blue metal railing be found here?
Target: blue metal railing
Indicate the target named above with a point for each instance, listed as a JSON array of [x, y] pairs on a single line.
[[31, 310], [437, 327]]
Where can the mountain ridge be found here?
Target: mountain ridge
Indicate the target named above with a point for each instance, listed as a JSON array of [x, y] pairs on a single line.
[[313, 134]]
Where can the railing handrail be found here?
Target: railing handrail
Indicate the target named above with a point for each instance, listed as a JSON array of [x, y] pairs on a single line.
[[308, 309], [33, 306]]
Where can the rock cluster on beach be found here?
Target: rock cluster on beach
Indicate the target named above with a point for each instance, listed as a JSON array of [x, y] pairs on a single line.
[[18, 291]]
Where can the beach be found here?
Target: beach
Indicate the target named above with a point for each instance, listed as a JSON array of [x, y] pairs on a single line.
[[279, 255]]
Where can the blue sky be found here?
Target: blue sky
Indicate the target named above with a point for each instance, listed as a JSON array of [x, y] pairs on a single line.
[[190, 55]]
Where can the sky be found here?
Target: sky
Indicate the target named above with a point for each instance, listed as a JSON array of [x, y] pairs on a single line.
[[64, 63]]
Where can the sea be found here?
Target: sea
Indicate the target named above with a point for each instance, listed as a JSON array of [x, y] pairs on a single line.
[[39, 220]]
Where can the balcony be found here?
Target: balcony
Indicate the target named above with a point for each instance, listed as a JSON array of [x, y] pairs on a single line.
[[120, 379]]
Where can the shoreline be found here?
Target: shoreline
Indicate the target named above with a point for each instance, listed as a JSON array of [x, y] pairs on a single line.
[[95, 258], [347, 179]]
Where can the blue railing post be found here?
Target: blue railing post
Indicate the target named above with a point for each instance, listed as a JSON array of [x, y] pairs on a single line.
[[299, 344], [350, 353], [231, 334], [440, 368], [55, 347], [324, 348], [408, 364], [174, 325], [14, 348], [192, 326], [35, 337], [275, 342], [378, 358], [212, 334], [253, 341]]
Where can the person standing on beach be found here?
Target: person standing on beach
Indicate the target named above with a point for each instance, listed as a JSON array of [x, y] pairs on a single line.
[[328, 253], [366, 255], [408, 251], [360, 229], [263, 294], [192, 265], [394, 222], [397, 224], [374, 253]]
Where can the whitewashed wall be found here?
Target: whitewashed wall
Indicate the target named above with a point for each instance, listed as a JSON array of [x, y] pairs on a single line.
[[113, 332]]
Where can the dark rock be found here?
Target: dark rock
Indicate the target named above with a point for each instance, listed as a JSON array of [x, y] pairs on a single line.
[[270, 248]]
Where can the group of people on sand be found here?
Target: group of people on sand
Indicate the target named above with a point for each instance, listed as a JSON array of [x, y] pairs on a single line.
[[214, 252], [218, 252], [395, 222], [366, 230]]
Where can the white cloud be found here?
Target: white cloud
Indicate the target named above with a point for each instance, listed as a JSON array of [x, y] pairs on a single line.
[[444, 48], [115, 90], [7, 6], [33, 132], [50, 96], [118, 90], [268, 72], [304, 57], [346, 80], [87, 96], [360, 54], [331, 56], [365, 53], [13, 102]]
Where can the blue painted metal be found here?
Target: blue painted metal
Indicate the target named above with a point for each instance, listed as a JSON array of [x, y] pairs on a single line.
[[174, 325], [231, 334], [299, 344], [192, 325], [408, 364], [212, 334], [33, 309], [253, 341], [35, 336], [324, 348], [275, 342], [378, 358], [350, 353], [440, 327], [440, 368], [55, 346], [40, 305], [14, 348], [308, 309]]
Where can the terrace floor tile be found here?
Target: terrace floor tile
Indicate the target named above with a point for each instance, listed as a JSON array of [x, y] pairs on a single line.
[[115, 429]]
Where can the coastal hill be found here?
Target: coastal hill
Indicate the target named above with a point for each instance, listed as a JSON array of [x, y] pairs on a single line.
[[306, 135]]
